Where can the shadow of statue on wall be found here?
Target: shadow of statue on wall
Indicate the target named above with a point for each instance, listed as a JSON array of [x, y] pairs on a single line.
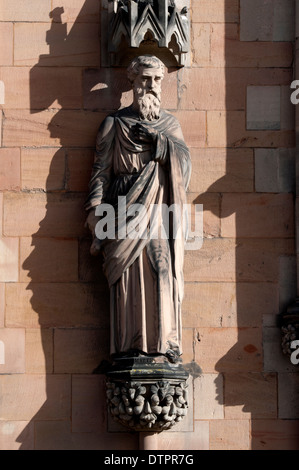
[[66, 306], [69, 303], [246, 376], [69, 292]]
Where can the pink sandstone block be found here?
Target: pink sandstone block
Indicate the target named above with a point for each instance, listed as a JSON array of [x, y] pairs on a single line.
[[9, 255], [230, 434], [16, 435], [46, 396], [12, 351], [33, 10], [10, 169]]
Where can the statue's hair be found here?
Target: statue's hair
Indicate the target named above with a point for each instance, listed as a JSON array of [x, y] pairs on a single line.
[[149, 61]]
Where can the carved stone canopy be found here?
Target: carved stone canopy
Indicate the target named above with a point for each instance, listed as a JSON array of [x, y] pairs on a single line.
[[149, 25]]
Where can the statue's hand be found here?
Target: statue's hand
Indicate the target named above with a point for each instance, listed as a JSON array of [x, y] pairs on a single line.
[[91, 223], [144, 133], [95, 247]]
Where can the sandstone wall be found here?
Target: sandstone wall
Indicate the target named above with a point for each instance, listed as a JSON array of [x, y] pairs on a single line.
[[237, 118]]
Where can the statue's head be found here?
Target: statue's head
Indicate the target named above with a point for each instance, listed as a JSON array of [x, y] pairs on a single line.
[[144, 61], [146, 74]]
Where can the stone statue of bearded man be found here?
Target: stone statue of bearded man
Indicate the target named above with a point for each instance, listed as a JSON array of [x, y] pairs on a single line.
[[141, 156]]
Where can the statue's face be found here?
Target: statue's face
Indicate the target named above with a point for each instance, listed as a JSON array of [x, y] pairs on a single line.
[[148, 81]]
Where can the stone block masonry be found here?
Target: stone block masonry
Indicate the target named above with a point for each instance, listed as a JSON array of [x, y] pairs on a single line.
[[234, 107]]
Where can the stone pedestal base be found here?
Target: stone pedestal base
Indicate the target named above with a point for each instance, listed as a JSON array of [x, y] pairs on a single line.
[[147, 394]]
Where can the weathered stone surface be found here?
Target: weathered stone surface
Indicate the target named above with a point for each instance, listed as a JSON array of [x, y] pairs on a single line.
[[274, 360], [2, 304], [216, 304], [204, 214], [56, 96], [197, 440], [13, 340], [274, 170], [219, 170], [227, 128], [229, 349], [201, 41], [9, 255], [52, 215], [65, 46], [287, 281], [216, 11], [13, 10], [263, 108], [39, 351], [269, 434], [43, 168], [208, 395], [1, 214], [193, 127], [85, 359], [78, 11], [51, 128], [287, 109], [288, 407], [16, 435], [38, 88], [32, 397], [188, 344], [230, 434], [258, 216], [6, 43], [250, 395], [56, 305], [79, 164], [255, 24], [58, 435], [89, 414], [219, 88], [228, 259], [228, 51], [10, 169], [45, 268]]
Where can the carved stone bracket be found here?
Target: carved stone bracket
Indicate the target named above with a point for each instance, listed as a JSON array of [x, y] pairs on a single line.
[[146, 395], [146, 24], [289, 324]]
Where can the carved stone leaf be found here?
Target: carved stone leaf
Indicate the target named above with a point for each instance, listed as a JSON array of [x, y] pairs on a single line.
[[155, 406]]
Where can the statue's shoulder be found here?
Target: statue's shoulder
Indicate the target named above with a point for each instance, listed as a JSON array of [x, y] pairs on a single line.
[[106, 128], [123, 113], [167, 119], [108, 122]]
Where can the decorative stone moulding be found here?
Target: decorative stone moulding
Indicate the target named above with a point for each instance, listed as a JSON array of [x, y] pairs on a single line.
[[145, 394], [153, 26]]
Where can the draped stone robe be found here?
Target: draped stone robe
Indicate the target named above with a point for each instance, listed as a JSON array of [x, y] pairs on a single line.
[[145, 275]]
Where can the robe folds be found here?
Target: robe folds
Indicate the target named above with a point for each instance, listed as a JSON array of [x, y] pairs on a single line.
[[145, 274]]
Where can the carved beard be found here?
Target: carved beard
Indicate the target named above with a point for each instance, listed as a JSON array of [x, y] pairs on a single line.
[[149, 106]]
